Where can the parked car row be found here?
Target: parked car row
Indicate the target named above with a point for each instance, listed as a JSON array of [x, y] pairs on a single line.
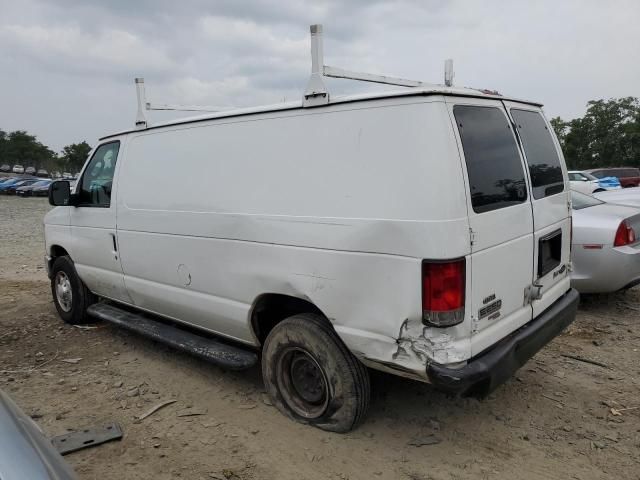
[[629, 177], [25, 186], [586, 183], [41, 172], [602, 179], [19, 169]]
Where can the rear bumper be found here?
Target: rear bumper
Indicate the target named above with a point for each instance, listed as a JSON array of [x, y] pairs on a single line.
[[484, 373]]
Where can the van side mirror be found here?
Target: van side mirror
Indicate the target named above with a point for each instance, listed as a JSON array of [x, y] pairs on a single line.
[[59, 193]]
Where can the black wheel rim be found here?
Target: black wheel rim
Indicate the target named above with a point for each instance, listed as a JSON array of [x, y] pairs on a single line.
[[302, 383]]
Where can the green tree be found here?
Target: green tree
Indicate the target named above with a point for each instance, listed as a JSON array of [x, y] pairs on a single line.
[[607, 135], [21, 148], [73, 156]]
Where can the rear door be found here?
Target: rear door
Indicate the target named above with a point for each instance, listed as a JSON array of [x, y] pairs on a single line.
[[550, 203], [500, 217]]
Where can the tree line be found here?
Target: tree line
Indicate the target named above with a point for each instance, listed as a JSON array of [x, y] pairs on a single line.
[[608, 135], [20, 148]]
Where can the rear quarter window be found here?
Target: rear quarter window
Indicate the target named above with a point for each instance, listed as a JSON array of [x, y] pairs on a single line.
[[494, 168], [540, 152]]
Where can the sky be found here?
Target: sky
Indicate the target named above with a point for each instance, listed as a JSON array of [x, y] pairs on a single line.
[[67, 66]]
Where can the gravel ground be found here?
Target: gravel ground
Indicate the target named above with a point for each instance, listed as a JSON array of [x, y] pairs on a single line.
[[559, 418]]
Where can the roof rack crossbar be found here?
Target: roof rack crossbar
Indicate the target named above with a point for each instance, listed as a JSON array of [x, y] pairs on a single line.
[[317, 93], [182, 108], [336, 72], [143, 104]]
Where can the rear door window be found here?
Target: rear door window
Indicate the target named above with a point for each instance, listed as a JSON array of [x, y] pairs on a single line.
[[541, 153], [496, 176]]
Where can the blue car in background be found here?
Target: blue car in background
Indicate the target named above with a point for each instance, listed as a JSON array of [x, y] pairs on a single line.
[[7, 180], [28, 190], [5, 184], [22, 182], [609, 183]]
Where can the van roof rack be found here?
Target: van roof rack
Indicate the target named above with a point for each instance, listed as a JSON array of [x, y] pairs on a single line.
[[317, 93], [143, 104]]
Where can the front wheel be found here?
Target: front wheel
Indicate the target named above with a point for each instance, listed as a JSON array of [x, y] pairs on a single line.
[[312, 377], [598, 190], [70, 295]]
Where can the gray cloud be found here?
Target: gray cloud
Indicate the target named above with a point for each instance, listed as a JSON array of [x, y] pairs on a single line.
[[68, 66]]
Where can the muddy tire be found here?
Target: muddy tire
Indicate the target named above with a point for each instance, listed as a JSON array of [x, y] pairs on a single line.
[[70, 295], [312, 377]]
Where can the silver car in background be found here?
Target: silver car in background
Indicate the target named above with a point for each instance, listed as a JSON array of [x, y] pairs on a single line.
[[25, 452], [606, 245], [627, 196]]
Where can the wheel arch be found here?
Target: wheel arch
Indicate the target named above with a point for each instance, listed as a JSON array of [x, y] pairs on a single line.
[[269, 309], [54, 251]]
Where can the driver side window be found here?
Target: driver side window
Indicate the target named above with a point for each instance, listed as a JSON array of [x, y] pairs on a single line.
[[95, 189]]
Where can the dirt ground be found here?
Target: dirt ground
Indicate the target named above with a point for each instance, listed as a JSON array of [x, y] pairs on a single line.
[[557, 419]]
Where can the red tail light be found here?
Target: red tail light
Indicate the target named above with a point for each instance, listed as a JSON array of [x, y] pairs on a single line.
[[443, 286], [624, 235]]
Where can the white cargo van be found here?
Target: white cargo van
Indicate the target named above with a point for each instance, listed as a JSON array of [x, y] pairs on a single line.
[[423, 232]]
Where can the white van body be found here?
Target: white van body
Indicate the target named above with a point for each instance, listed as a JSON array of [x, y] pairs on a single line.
[[338, 206]]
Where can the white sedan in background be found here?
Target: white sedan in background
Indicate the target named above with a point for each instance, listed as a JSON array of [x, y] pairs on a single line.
[[584, 182], [605, 247]]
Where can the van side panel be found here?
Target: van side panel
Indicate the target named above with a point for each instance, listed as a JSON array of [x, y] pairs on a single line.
[[337, 205]]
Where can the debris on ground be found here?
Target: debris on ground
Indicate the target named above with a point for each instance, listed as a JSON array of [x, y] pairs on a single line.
[[87, 437], [428, 439], [585, 360], [190, 412], [71, 360], [153, 410], [618, 411]]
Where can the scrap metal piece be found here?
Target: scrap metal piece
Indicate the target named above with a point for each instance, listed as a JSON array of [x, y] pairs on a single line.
[[88, 437]]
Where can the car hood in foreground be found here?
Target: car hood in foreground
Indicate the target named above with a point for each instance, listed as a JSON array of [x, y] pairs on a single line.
[[25, 453]]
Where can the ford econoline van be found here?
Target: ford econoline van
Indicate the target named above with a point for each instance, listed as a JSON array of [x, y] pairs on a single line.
[[424, 233]]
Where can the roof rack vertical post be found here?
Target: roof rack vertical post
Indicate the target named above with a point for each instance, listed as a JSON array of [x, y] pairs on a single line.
[[316, 92], [448, 72], [141, 121]]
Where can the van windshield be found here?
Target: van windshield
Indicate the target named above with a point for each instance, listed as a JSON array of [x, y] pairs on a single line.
[[541, 153]]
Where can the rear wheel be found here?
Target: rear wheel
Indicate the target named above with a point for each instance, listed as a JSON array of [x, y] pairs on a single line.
[[598, 190], [312, 377], [70, 295]]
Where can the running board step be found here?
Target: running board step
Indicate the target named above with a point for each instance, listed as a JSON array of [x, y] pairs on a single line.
[[208, 349]]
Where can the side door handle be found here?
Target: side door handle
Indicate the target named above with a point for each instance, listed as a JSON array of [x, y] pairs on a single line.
[[115, 245]]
